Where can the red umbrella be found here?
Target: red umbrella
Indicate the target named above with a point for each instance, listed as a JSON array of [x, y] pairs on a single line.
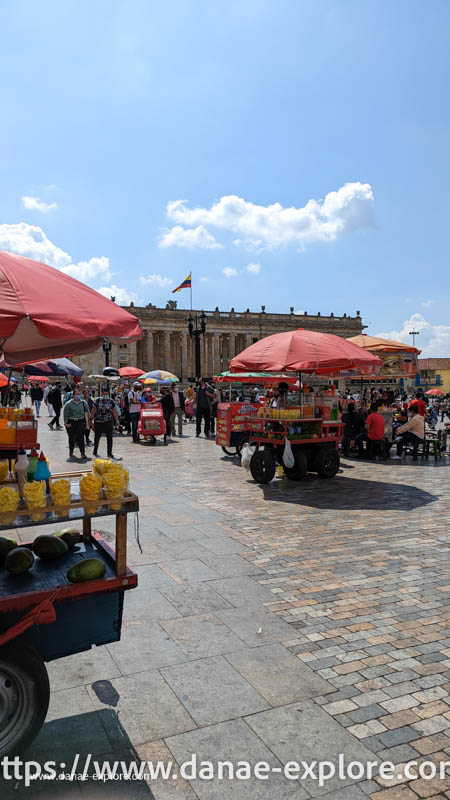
[[37, 378], [3, 379], [435, 392], [130, 372], [45, 313], [304, 351]]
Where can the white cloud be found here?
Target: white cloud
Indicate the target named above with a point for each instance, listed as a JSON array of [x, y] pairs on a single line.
[[433, 340], [31, 241], [229, 272], [427, 303], [123, 296], [348, 209], [155, 280], [34, 204], [253, 268], [192, 238], [299, 311]]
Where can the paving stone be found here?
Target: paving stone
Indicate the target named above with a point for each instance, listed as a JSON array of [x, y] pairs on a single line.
[[196, 598], [147, 605], [372, 711], [398, 736], [277, 675], [143, 647], [242, 590], [82, 668], [229, 741], [229, 566], [202, 635], [307, 729], [223, 545], [255, 625], [212, 691], [146, 707], [188, 569]]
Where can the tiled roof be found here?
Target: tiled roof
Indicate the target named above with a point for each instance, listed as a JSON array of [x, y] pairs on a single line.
[[434, 363]]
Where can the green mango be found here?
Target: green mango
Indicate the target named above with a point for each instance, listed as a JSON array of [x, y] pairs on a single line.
[[70, 536], [90, 569], [5, 546], [19, 560], [49, 548]]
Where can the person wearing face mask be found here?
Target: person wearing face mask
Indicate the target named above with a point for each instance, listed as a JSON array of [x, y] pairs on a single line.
[[76, 419], [103, 414]]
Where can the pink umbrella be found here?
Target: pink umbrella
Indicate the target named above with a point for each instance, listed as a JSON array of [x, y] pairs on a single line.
[[130, 372], [45, 313]]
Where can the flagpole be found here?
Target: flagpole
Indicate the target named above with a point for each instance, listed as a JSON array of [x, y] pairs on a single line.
[[191, 288]]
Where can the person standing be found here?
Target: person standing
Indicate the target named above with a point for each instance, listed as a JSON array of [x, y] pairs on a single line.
[[76, 418], [37, 396], [55, 401], [204, 395], [167, 407], [214, 406], [103, 414], [88, 399], [178, 409], [134, 403]]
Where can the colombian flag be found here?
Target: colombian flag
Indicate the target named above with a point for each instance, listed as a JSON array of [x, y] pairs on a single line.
[[185, 285]]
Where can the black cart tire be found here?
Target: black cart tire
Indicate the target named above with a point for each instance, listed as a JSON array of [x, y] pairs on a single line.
[[262, 466], [300, 468], [24, 696], [229, 452], [326, 462]]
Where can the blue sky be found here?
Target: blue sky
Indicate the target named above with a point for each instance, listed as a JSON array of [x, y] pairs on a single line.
[[291, 153]]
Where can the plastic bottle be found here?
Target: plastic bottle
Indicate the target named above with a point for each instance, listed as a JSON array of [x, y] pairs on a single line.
[[22, 465], [32, 464], [42, 472]]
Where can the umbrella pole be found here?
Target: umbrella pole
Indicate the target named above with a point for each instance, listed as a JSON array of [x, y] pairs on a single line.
[[300, 389], [8, 385]]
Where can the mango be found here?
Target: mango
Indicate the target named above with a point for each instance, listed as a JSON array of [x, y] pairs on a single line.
[[69, 535], [19, 560], [5, 546], [90, 569], [49, 548]]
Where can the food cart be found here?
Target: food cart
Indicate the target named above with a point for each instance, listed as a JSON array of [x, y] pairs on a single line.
[[152, 423], [313, 433], [43, 616], [233, 416]]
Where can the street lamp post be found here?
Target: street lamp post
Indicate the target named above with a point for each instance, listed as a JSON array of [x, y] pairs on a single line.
[[414, 334], [106, 350], [197, 328]]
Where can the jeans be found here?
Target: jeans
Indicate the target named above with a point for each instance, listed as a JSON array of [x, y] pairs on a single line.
[[57, 410], [76, 434], [363, 437], [37, 405], [407, 438], [134, 417], [107, 429], [203, 413], [178, 413]]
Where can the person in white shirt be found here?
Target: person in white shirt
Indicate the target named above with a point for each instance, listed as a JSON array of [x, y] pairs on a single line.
[[134, 400], [178, 409], [412, 432]]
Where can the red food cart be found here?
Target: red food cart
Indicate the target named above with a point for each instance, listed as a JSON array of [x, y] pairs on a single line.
[[152, 423]]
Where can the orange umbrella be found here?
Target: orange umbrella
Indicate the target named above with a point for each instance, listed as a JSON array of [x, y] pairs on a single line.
[[377, 344]]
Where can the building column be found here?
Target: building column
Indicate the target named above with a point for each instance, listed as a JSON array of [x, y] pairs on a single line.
[[165, 351], [216, 353], [132, 354], [148, 351]]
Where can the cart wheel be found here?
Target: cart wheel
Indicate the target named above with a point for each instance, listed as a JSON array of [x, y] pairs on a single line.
[[326, 462], [24, 696], [228, 452], [262, 466], [300, 468]]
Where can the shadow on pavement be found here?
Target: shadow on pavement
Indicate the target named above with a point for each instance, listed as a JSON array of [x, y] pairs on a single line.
[[61, 740], [347, 494]]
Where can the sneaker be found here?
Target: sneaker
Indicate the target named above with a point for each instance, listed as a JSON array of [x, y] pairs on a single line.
[[197, 434], [83, 456], [110, 455], [50, 426], [59, 427], [94, 453], [398, 458]]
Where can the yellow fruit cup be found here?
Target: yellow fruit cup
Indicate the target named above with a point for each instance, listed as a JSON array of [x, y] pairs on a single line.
[[4, 470], [60, 495], [90, 487], [9, 501], [34, 494], [114, 486]]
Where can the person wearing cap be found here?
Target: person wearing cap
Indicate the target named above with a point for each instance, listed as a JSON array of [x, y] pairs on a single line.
[[134, 402]]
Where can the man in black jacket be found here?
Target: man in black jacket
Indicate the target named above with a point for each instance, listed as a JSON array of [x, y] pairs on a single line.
[[204, 395], [54, 398], [178, 409], [37, 396]]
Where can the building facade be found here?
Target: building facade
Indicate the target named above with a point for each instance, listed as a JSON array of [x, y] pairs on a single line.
[[434, 373], [166, 343]]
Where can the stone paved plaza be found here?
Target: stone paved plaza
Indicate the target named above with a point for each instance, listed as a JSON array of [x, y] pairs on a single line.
[[279, 622]]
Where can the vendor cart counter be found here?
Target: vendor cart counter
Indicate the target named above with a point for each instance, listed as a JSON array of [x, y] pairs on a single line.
[[43, 616], [314, 443], [232, 425]]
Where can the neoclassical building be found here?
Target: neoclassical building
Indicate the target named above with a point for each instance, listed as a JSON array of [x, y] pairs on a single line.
[[166, 343]]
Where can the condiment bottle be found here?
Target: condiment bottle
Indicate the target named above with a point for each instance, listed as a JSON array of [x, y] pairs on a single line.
[[42, 472], [22, 465], [32, 464]]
